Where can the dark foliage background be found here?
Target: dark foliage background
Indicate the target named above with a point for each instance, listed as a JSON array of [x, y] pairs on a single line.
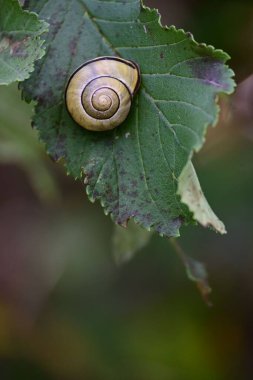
[[67, 311]]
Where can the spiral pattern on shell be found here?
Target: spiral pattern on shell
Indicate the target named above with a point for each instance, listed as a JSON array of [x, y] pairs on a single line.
[[99, 93]]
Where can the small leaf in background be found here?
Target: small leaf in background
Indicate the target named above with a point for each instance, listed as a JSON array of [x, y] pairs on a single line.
[[192, 195], [127, 241], [196, 271], [20, 42], [19, 144], [132, 170]]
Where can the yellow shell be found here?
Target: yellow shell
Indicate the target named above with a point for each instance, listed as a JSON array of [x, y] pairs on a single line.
[[99, 93]]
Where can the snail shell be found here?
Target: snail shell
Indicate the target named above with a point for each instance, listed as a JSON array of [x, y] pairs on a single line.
[[100, 92]]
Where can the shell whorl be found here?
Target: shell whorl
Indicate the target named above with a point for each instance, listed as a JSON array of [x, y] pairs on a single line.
[[99, 94]]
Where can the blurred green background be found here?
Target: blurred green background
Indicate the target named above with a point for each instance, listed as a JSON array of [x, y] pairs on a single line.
[[67, 311]]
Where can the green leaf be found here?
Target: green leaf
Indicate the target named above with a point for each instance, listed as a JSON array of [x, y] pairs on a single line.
[[192, 195], [134, 169], [20, 43], [127, 241]]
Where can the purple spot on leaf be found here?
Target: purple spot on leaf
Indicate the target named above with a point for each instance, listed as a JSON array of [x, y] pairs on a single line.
[[210, 70]]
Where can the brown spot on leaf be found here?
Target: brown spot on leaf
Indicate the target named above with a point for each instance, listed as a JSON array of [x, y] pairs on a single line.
[[16, 48], [73, 45]]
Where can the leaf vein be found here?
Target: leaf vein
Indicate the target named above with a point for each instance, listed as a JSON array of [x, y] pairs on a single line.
[[191, 105], [150, 46], [143, 166], [166, 121]]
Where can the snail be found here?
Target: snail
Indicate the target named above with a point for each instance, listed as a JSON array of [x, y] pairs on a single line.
[[99, 93]]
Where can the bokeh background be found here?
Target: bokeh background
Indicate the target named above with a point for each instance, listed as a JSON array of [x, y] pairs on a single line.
[[67, 311]]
